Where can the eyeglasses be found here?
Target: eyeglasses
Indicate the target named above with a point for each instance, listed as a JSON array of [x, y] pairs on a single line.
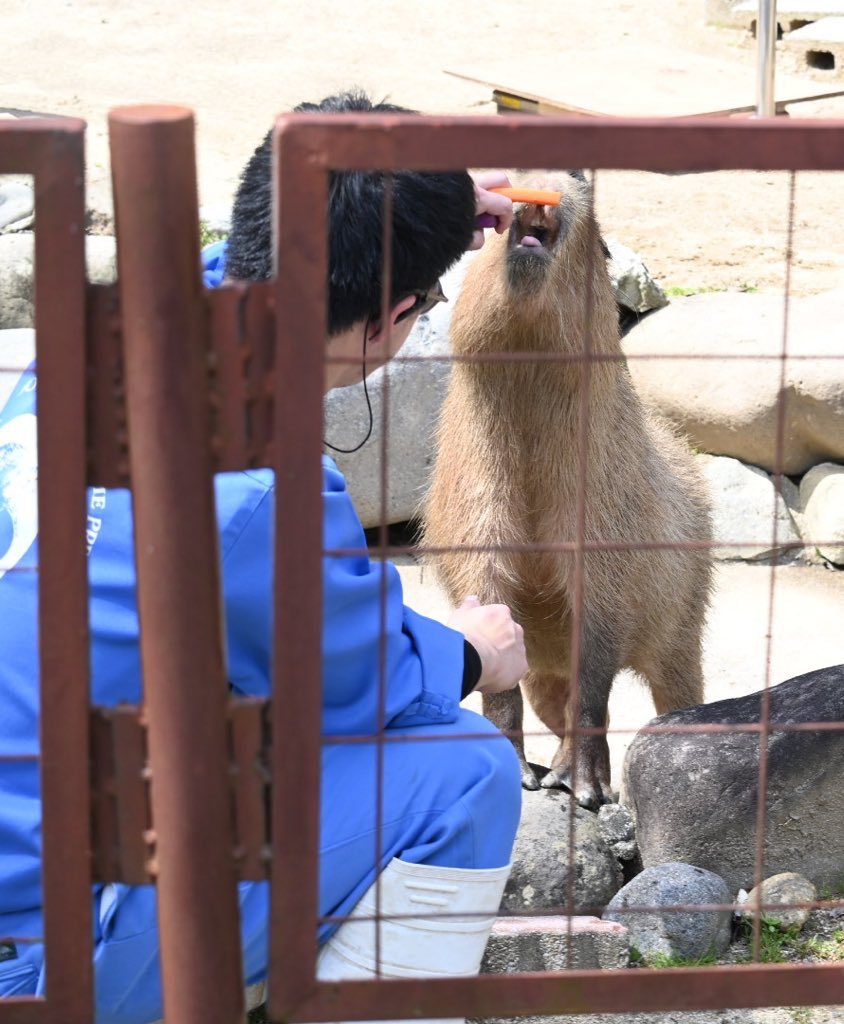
[[425, 302]]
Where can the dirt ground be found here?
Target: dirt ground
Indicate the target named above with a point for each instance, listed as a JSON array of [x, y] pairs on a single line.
[[237, 65]]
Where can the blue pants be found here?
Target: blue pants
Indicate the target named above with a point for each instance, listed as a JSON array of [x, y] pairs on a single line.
[[451, 802]]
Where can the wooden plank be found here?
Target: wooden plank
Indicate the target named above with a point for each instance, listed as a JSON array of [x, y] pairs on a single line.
[[633, 83]]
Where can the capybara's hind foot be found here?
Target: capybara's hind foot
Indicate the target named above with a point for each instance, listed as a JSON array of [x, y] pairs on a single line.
[[589, 793], [590, 785]]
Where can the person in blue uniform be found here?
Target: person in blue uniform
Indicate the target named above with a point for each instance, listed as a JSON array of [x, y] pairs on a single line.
[[449, 808]]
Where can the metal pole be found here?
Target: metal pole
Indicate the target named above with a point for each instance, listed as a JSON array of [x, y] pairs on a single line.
[[300, 185], [63, 572], [176, 549], [766, 40]]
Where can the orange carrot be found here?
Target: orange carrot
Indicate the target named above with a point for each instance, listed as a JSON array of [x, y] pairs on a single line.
[[537, 196]]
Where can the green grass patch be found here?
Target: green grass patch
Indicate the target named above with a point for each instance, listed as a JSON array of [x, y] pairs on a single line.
[[824, 949], [801, 1014], [774, 941], [663, 960], [832, 892], [681, 291]]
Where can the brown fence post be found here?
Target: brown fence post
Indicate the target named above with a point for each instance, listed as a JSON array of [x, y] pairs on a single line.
[[63, 610], [176, 548], [297, 671]]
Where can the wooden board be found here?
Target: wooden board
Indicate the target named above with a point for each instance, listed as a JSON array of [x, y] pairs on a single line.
[[638, 82]]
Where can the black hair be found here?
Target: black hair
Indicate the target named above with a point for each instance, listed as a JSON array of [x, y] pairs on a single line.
[[433, 222]]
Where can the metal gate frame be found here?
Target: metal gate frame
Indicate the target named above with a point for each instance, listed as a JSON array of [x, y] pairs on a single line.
[[52, 150], [307, 149], [160, 298]]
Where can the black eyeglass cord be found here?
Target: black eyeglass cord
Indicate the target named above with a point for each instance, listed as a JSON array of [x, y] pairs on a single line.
[[357, 448]]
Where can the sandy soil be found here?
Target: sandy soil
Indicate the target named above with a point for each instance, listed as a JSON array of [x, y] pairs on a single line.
[[239, 64]]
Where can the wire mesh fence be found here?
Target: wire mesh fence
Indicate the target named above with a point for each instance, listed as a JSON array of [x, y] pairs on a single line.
[[154, 385]]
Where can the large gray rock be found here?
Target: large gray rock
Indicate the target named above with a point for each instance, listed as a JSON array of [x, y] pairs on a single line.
[[634, 287], [695, 795], [552, 852], [745, 505], [729, 406], [17, 292], [414, 392], [822, 506], [687, 934], [17, 205], [618, 830]]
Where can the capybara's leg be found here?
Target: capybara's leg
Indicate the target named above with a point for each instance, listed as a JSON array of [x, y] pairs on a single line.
[[677, 683], [676, 678], [548, 695], [582, 765], [506, 711]]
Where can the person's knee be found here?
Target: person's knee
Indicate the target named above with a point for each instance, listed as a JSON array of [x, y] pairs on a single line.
[[494, 798]]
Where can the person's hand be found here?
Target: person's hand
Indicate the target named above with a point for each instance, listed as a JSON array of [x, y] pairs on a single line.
[[492, 203], [499, 641]]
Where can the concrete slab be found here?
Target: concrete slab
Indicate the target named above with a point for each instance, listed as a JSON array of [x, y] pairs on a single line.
[[791, 16], [658, 82], [819, 46], [788, 11], [765, 624], [825, 30], [555, 944]]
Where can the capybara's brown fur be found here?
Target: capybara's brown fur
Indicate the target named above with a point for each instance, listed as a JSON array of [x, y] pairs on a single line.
[[509, 470]]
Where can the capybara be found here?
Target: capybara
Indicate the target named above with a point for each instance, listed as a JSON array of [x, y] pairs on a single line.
[[553, 452]]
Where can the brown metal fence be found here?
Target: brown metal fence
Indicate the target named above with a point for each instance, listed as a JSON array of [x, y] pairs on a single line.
[[159, 388], [53, 152]]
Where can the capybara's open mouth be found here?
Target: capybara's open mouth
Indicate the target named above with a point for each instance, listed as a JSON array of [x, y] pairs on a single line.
[[535, 230], [533, 242]]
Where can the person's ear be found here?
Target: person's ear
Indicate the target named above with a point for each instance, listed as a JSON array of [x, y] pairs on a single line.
[[376, 330]]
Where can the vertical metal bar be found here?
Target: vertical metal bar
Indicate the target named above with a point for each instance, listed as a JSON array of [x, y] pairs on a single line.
[[130, 789], [63, 583], [300, 244], [765, 702], [766, 50], [104, 830], [176, 549], [107, 436], [249, 785], [383, 540]]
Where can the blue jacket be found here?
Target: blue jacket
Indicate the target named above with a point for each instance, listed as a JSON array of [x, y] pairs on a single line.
[[424, 658]]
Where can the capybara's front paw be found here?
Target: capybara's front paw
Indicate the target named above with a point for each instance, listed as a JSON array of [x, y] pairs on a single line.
[[529, 779]]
